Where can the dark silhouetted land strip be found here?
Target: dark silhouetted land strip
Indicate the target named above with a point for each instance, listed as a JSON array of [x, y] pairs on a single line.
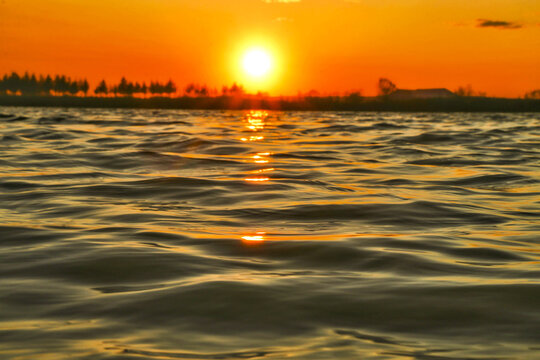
[[335, 103]]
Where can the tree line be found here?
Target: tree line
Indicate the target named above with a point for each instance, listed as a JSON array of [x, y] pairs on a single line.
[[30, 84], [129, 88], [47, 85]]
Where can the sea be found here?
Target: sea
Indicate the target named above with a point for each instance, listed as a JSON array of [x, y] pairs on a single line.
[[173, 234]]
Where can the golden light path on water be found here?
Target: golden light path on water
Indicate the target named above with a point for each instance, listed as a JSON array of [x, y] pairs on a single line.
[[255, 121]]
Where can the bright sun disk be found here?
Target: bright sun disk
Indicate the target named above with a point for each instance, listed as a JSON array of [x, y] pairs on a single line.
[[257, 62]]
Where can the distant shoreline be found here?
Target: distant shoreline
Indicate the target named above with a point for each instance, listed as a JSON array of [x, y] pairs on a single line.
[[329, 103]]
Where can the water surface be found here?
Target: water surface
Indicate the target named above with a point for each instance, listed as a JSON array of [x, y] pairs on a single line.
[[150, 234]]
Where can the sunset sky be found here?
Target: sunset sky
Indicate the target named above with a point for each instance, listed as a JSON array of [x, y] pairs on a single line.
[[328, 45]]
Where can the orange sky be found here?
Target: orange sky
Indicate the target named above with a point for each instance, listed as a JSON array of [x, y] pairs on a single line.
[[327, 45]]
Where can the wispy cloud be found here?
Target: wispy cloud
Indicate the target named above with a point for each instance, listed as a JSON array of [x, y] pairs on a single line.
[[485, 23]]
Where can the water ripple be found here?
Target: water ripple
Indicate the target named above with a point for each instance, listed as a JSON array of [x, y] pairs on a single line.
[[155, 234]]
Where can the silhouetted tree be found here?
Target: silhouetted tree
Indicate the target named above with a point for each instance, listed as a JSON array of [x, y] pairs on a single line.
[[236, 90], [123, 87], [14, 83], [354, 97], [32, 84], [262, 94], [25, 86], [144, 89], [3, 85], [170, 87], [84, 86], [224, 90], [59, 84], [468, 91], [534, 94], [464, 91], [157, 88], [190, 89], [386, 87], [48, 85], [73, 87], [196, 90], [137, 88], [102, 88]]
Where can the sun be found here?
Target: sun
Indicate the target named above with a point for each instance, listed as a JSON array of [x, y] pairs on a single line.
[[257, 62]]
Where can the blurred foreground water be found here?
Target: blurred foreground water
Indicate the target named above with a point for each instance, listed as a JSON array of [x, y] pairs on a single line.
[[128, 234]]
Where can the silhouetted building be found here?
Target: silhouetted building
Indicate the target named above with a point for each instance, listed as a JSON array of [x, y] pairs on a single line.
[[402, 94]]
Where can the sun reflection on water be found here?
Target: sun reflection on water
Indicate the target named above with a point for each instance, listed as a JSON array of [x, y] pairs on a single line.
[[261, 158], [256, 119], [262, 170], [257, 179], [258, 237], [252, 138]]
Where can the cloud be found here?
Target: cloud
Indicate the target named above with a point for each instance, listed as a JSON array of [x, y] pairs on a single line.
[[484, 23], [281, 1]]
